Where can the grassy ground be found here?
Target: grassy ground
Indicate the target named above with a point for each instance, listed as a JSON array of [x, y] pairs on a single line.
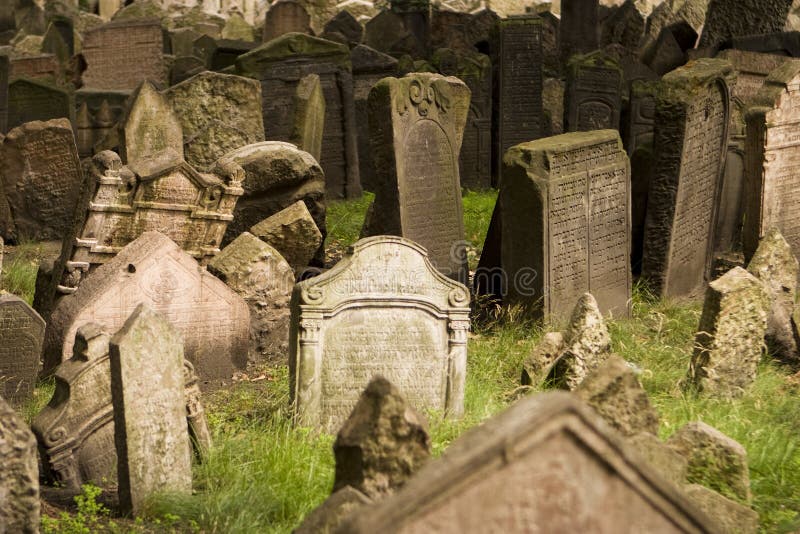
[[264, 476]]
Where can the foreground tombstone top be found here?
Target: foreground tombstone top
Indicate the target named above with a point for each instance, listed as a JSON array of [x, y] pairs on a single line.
[[382, 310], [547, 462], [19, 474], [21, 335]]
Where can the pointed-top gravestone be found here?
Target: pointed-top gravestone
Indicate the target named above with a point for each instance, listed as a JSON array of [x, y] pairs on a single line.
[[21, 335], [19, 475], [151, 137], [147, 390]]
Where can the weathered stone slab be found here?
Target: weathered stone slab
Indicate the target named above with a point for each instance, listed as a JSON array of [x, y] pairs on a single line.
[[150, 430], [553, 106], [382, 310], [344, 28], [417, 125], [42, 67], [19, 474], [389, 33], [30, 100], [625, 26], [22, 332], [578, 30], [516, 472], [183, 68], [218, 113], [566, 223], [731, 334], [726, 19], [465, 32], [327, 517], [293, 232], [669, 464], [691, 139], [285, 16], [122, 54], [593, 96], [728, 514], [154, 270], [103, 110], [309, 116]]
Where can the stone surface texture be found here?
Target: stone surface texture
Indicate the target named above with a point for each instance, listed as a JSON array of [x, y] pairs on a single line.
[[19, 475]]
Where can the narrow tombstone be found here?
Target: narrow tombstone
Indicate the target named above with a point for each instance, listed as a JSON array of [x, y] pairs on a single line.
[[382, 310], [519, 469], [285, 16], [309, 116], [31, 100], [730, 336], [217, 113], [42, 177], [150, 432], [691, 139], [566, 223], [417, 125], [19, 474], [593, 95], [726, 19], [293, 232], [22, 332], [578, 29]]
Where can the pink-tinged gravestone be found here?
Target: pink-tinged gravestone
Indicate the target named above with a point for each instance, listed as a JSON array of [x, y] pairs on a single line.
[[21, 334]]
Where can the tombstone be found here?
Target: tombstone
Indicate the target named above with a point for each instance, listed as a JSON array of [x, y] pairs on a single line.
[[518, 100], [593, 95], [182, 41], [59, 39], [285, 16], [31, 100], [19, 474], [566, 223], [218, 113], [735, 18], [237, 28], [220, 54], [417, 125], [154, 270], [464, 32], [382, 310], [309, 116], [669, 51], [546, 460], [780, 43], [75, 431], [344, 28], [553, 106], [104, 109], [369, 67], [625, 26], [551, 63], [22, 331], [770, 187], [329, 515], [691, 138], [639, 133], [120, 55], [387, 32], [150, 433], [578, 28], [4, 69], [280, 65], [293, 232], [475, 70], [41, 67]]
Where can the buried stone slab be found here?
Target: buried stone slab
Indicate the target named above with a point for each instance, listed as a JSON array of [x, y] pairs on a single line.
[[19, 475], [293, 232]]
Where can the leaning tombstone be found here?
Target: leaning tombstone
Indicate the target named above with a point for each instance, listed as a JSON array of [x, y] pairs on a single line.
[[593, 95], [19, 474], [21, 332], [382, 310], [484, 479], [691, 140], [566, 223], [285, 16], [625, 26], [293, 232], [150, 432], [31, 100], [309, 116], [417, 125]]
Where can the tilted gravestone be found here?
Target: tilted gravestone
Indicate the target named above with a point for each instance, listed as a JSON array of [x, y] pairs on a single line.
[[771, 191], [147, 391], [417, 125], [280, 65], [285, 16], [726, 19], [42, 177], [382, 310], [75, 431], [578, 31], [293, 233], [566, 223], [691, 139], [547, 461], [22, 332], [122, 54], [152, 269], [309, 116], [31, 100], [19, 474], [593, 96]]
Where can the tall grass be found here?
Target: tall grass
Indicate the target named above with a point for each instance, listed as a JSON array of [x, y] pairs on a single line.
[[19, 273]]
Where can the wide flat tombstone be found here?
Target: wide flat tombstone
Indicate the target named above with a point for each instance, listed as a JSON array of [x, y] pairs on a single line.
[[382, 310], [566, 223], [772, 160], [218, 113], [42, 177], [31, 100], [152, 269], [417, 125], [519, 85], [548, 463], [593, 97], [120, 55], [285, 16], [578, 31], [691, 140], [21, 332], [280, 64], [19, 474], [726, 19], [150, 431]]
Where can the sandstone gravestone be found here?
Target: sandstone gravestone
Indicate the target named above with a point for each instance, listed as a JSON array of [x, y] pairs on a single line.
[[30, 100], [285, 16], [122, 54], [22, 332], [691, 139], [593, 96], [547, 462], [293, 232], [150, 433], [417, 125], [154, 270], [309, 116], [566, 223], [578, 31], [218, 113], [736, 18], [280, 65], [41, 177], [19, 474], [771, 190], [382, 310]]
